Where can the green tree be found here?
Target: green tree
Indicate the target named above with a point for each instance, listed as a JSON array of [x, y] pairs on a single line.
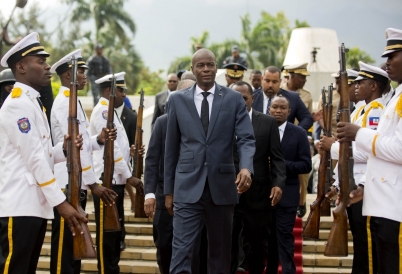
[[150, 82], [109, 16], [355, 55]]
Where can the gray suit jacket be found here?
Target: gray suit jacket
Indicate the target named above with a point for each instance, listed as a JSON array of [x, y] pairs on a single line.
[[160, 102], [191, 156]]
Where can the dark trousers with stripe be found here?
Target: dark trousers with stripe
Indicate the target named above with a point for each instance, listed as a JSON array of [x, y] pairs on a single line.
[[21, 240], [384, 245], [358, 227], [61, 253], [110, 246]]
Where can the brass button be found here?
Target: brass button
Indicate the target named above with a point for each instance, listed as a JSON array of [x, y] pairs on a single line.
[[44, 136], [50, 154]]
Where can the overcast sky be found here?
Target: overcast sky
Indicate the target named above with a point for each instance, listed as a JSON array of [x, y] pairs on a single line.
[[164, 27]]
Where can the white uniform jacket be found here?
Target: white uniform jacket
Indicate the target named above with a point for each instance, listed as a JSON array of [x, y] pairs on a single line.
[[27, 184], [368, 119], [383, 188], [122, 170], [59, 128]]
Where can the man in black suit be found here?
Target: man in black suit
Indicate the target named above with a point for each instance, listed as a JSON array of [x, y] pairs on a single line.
[[296, 151], [271, 82], [154, 204], [255, 80], [265, 191], [162, 97], [199, 168]]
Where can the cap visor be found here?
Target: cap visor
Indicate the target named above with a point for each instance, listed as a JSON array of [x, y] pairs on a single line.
[[42, 52], [83, 66], [360, 78]]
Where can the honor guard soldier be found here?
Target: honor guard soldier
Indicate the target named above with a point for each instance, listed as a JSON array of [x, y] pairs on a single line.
[[234, 73], [28, 187], [370, 85], [109, 243], [7, 81], [61, 259], [382, 189]]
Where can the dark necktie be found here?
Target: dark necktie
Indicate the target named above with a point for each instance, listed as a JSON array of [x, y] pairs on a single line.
[[82, 109], [205, 111], [40, 103], [362, 112], [268, 105]]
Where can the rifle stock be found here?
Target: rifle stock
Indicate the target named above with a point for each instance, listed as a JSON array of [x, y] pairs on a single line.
[[337, 244], [111, 221], [138, 160], [311, 228], [83, 246]]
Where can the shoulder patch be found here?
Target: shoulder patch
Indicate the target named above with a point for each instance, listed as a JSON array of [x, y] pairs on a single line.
[[103, 103], [67, 93], [23, 125], [104, 114], [16, 92]]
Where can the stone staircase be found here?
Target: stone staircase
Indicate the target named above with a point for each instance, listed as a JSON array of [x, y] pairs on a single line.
[[140, 254]]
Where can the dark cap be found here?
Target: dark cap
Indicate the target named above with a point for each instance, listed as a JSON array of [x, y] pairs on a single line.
[[234, 70]]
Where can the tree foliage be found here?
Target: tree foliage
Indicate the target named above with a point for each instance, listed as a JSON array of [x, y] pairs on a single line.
[[355, 55], [263, 44]]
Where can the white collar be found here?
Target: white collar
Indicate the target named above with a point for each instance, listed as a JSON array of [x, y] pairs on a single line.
[[283, 126], [30, 91], [250, 114], [119, 109], [198, 90]]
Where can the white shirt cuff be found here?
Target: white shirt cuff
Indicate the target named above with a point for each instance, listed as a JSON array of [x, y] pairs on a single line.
[[149, 196]]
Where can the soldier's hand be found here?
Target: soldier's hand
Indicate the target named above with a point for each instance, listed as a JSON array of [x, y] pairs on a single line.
[[330, 195], [169, 204], [141, 152], [110, 134], [276, 195], [108, 196], [243, 181], [137, 184], [346, 131], [326, 142], [150, 207], [78, 142], [72, 217], [317, 115], [356, 195]]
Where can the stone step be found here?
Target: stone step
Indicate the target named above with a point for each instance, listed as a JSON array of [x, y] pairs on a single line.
[[126, 266], [318, 247], [131, 240], [324, 234], [319, 260], [131, 228], [326, 270], [130, 253]]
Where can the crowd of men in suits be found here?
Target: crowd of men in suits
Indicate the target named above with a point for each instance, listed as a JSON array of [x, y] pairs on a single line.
[[225, 170]]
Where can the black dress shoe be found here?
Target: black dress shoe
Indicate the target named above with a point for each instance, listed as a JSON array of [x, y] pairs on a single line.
[[122, 245], [301, 211]]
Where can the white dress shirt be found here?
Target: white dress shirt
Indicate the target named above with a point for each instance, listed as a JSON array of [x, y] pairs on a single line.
[[282, 130], [119, 110], [198, 97], [250, 114]]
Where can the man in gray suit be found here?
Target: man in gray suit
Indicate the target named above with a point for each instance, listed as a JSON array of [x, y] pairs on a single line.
[[199, 170], [162, 97]]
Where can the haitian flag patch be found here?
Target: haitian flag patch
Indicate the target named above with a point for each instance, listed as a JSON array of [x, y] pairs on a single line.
[[104, 114], [23, 125], [373, 121]]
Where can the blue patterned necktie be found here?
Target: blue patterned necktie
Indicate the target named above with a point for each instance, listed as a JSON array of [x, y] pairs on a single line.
[[268, 105]]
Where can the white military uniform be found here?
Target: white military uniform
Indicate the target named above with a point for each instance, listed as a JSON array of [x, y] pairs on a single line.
[[122, 170], [59, 124], [28, 186], [369, 120], [383, 188]]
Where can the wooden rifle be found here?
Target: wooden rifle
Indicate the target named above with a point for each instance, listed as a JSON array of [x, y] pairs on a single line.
[[138, 160], [337, 244], [327, 109], [83, 246], [111, 221], [311, 228]]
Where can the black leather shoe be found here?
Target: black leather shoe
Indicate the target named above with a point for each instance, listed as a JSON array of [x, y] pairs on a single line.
[[301, 211], [122, 245]]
